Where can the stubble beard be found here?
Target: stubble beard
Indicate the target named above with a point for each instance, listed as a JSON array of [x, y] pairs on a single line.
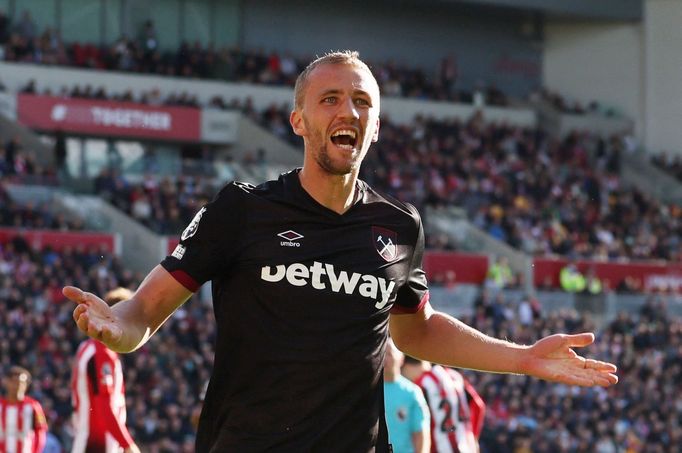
[[325, 161]]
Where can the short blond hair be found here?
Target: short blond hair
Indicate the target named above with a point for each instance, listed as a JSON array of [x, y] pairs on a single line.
[[117, 295], [349, 57]]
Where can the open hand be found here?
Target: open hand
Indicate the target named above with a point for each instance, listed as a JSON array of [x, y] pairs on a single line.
[[552, 358], [94, 317]]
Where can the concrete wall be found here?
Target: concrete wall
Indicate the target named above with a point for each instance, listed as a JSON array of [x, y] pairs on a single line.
[[663, 77], [634, 67], [586, 61]]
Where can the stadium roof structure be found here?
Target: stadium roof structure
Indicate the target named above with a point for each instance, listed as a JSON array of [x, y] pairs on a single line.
[[622, 10]]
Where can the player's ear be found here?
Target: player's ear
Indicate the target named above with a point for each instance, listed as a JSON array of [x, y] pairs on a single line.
[[297, 123], [375, 136]]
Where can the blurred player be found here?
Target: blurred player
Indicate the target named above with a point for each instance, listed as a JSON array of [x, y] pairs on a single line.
[[305, 271], [407, 416], [98, 396], [23, 427], [457, 411]]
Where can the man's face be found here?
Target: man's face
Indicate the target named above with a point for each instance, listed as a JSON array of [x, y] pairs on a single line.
[[15, 382], [339, 117]]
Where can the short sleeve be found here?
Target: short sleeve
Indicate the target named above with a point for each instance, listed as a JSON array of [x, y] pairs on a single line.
[[40, 422], [420, 419], [204, 248], [414, 294]]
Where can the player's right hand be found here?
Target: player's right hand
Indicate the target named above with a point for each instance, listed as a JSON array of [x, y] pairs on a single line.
[[132, 449], [94, 317]]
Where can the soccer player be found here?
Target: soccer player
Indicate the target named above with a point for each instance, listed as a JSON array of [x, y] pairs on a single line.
[[98, 395], [457, 410], [307, 272], [23, 427], [407, 416]]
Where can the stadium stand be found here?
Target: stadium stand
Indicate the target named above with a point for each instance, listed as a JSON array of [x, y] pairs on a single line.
[[163, 387], [671, 164], [229, 64], [544, 195], [635, 415]]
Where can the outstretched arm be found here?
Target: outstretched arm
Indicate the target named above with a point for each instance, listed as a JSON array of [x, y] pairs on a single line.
[[439, 338], [129, 324]]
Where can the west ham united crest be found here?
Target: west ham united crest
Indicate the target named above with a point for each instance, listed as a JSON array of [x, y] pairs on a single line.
[[385, 242]]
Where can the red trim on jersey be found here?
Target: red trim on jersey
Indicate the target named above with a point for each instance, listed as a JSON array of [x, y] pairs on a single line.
[[39, 427], [185, 280], [400, 310], [476, 408]]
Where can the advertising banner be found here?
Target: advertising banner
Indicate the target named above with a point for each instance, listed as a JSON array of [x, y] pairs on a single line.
[[218, 126], [109, 118], [652, 276], [58, 240]]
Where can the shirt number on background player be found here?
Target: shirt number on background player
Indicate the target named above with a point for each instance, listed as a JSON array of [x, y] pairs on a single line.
[[449, 422]]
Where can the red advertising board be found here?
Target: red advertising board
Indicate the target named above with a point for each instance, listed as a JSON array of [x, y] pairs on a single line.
[[650, 276], [59, 240], [468, 267], [109, 118]]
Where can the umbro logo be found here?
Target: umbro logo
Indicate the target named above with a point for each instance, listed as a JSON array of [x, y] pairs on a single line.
[[290, 236]]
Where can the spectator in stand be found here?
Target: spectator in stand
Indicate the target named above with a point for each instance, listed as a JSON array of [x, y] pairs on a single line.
[[60, 152], [98, 397], [26, 27], [148, 41], [457, 411], [571, 279], [23, 426], [671, 163], [593, 285], [4, 28], [407, 416], [500, 274], [448, 73]]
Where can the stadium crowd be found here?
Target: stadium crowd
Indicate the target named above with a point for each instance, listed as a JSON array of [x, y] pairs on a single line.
[[21, 41], [20, 164], [500, 174], [641, 413], [670, 163], [165, 205], [34, 215], [163, 388], [540, 195], [561, 104]]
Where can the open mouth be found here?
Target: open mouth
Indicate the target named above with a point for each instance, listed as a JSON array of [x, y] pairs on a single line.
[[345, 138]]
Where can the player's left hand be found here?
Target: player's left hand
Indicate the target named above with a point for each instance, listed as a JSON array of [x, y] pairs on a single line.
[[552, 358]]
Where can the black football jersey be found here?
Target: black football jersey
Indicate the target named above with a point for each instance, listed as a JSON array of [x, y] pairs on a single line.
[[301, 296]]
